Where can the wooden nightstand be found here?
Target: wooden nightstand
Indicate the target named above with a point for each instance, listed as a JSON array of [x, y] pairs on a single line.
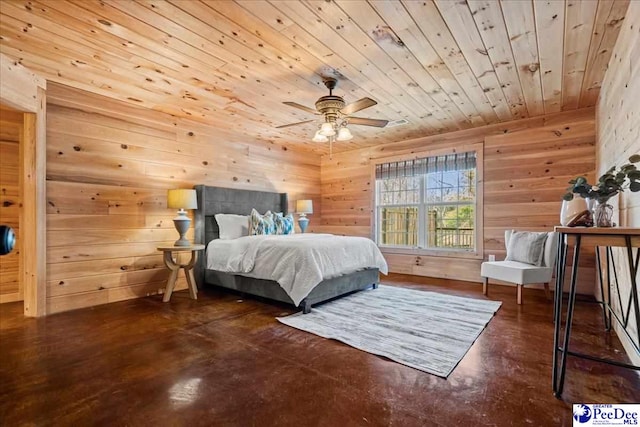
[[175, 267]]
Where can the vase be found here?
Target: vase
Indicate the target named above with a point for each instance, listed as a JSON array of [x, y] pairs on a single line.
[[603, 214], [571, 209]]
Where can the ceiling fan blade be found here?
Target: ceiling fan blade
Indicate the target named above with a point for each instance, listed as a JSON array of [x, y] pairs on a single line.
[[294, 124], [360, 104], [367, 122], [302, 107]]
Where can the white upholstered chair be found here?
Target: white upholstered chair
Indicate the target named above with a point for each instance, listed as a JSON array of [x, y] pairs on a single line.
[[520, 273]]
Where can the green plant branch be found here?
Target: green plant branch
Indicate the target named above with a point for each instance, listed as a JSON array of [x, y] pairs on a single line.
[[612, 182]]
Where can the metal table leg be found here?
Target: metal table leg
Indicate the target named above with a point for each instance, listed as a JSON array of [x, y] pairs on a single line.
[[633, 271], [567, 330], [605, 317], [557, 306]]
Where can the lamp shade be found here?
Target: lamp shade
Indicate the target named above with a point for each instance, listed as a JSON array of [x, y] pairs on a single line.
[[182, 198], [344, 134], [304, 206], [318, 137], [327, 129]]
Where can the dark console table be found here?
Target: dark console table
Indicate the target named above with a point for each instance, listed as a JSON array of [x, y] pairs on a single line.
[[600, 238]]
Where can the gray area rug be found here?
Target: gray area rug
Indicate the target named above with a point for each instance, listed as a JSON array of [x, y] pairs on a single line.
[[424, 330]]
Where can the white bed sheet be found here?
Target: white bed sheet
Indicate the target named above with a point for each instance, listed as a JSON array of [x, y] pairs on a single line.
[[298, 262]]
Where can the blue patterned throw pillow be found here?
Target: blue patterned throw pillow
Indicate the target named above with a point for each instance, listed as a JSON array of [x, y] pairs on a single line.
[[262, 224], [284, 224]]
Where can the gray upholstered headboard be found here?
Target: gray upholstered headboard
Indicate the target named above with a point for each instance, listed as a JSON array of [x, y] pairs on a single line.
[[215, 200]]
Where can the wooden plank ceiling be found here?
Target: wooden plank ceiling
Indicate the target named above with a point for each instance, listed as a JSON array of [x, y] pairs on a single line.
[[441, 65]]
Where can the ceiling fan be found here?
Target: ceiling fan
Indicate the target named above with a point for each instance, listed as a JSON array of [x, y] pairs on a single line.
[[337, 114]]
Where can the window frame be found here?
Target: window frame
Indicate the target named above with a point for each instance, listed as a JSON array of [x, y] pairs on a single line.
[[478, 253]]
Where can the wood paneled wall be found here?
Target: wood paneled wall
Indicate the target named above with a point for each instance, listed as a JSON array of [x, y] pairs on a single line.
[[10, 201], [109, 166], [618, 123], [527, 164]]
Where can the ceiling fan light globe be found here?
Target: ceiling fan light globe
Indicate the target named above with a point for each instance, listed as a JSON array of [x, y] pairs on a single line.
[[318, 137], [327, 129], [344, 134]]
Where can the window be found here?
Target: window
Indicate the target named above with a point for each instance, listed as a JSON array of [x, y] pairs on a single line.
[[428, 203]]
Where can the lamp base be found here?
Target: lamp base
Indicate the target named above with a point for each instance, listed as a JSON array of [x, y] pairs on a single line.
[[182, 242], [303, 222], [182, 223]]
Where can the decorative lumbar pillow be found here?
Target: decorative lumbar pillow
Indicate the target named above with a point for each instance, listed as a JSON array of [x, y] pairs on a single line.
[[261, 224], [527, 247], [284, 224], [232, 226]]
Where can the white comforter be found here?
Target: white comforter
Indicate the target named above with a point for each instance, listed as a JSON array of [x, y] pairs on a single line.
[[298, 262]]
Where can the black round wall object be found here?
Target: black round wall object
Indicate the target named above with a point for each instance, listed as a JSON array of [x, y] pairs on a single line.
[[7, 239]]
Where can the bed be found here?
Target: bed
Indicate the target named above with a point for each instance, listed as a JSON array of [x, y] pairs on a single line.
[[215, 200]]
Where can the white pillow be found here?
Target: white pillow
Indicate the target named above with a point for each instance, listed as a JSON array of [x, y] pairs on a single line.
[[526, 247], [232, 226]]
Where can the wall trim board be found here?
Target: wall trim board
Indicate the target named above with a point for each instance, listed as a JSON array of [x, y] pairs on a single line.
[[19, 86]]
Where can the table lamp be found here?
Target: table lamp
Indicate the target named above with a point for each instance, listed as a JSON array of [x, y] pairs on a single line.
[[304, 207], [182, 199]]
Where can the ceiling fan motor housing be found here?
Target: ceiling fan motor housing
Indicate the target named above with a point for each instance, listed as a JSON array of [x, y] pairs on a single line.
[[330, 106]]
